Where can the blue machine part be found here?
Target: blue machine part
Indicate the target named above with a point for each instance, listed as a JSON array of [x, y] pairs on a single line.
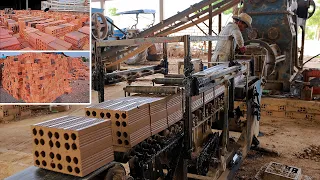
[[118, 33], [140, 11], [96, 10], [271, 21]]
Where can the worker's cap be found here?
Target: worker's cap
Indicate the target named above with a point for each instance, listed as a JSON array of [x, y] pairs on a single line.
[[244, 18]]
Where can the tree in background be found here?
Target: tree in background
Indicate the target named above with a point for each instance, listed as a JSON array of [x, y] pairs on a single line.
[[113, 12], [84, 59], [313, 24]]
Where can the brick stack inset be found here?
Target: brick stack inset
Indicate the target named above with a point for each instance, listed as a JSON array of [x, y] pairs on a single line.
[[32, 76], [72, 145], [78, 69]]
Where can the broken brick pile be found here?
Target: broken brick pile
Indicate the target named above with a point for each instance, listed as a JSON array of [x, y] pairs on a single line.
[[36, 77], [8, 42], [78, 70], [14, 112]]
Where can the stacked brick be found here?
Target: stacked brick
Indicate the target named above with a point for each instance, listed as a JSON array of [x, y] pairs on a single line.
[[136, 118], [43, 41], [36, 77], [14, 112], [8, 42], [78, 70], [56, 24], [77, 39], [42, 27], [72, 145], [59, 30]]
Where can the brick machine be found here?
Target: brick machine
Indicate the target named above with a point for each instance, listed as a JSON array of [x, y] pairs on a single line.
[[199, 125]]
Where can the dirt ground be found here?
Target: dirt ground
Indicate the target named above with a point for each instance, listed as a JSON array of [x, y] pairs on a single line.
[[80, 94]]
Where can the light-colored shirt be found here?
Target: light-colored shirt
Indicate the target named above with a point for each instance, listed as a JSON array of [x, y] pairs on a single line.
[[223, 47]]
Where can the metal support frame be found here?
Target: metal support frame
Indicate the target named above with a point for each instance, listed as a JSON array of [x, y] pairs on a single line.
[[210, 33]]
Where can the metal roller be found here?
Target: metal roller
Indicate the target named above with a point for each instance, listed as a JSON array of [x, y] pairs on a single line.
[[168, 81], [99, 30], [152, 89]]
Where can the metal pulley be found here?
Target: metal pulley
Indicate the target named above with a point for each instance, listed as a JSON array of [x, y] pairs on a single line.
[[99, 26]]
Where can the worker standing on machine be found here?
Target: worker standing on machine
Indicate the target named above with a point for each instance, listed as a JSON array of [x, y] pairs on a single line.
[[223, 47]]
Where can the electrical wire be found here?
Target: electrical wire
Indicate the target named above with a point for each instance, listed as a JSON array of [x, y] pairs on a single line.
[[310, 59]]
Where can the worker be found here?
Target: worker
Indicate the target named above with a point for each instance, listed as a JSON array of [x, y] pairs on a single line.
[[234, 29]]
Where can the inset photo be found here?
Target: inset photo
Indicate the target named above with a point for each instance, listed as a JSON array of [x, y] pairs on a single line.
[[48, 77], [45, 25]]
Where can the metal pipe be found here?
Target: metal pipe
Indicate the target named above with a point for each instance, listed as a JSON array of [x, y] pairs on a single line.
[[165, 58], [225, 130], [168, 81], [152, 89], [174, 76]]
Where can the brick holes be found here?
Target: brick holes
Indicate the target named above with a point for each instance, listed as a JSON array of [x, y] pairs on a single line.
[[118, 133], [126, 142], [34, 131], [108, 115], [69, 168], [44, 163], [56, 135], [53, 165], [77, 170], [123, 115], [60, 166], [118, 123], [68, 158], [42, 142], [58, 156], [73, 136], [125, 134], [50, 143], [51, 155], [43, 154], [58, 144], [124, 124], [117, 116], [36, 141], [38, 162], [67, 146], [66, 136], [36, 153], [50, 134], [102, 115], [88, 113], [41, 132], [74, 146], [75, 160], [94, 113], [119, 141]]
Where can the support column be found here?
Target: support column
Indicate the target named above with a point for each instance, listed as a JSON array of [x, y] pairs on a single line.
[[27, 4], [161, 10], [210, 34], [102, 2]]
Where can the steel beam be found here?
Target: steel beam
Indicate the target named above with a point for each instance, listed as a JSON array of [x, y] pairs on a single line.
[[152, 89]]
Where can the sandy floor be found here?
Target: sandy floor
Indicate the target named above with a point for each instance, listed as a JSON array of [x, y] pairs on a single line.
[[80, 94]]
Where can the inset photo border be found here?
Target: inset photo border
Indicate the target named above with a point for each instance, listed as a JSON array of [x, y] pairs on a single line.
[[45, 78]]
